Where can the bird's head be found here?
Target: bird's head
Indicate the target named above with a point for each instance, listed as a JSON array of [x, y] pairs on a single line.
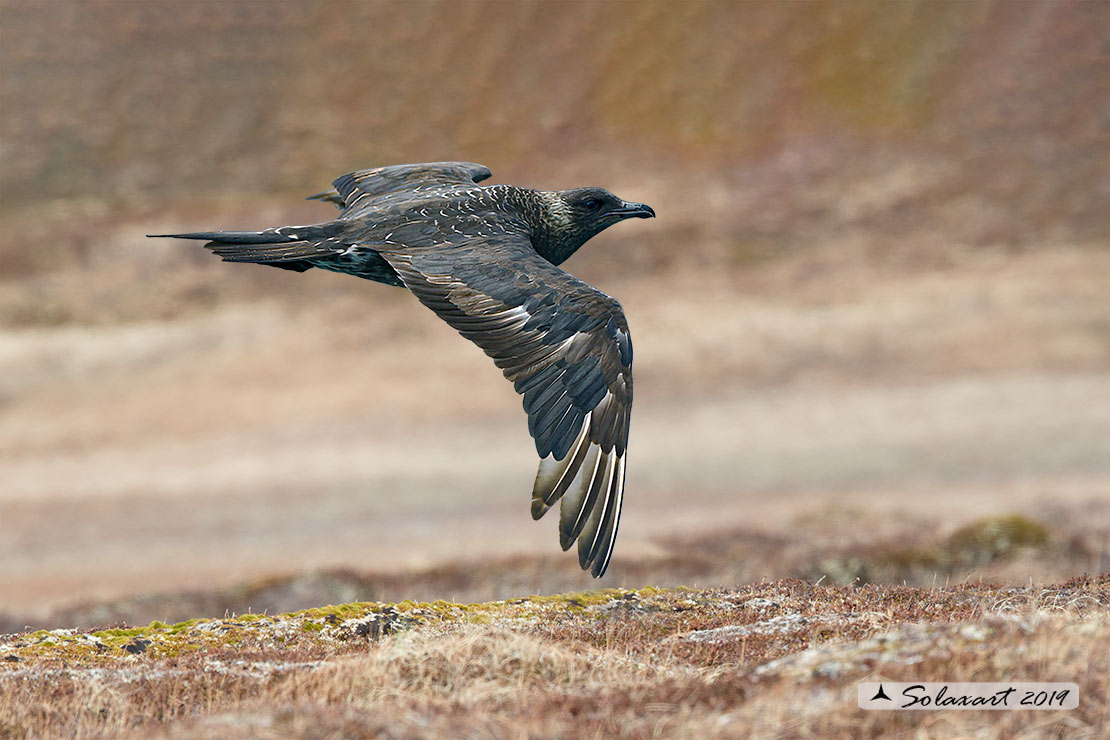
[[576, 215]]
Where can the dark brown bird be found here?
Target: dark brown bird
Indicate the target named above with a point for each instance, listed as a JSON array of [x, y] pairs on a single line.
[[484, 258]]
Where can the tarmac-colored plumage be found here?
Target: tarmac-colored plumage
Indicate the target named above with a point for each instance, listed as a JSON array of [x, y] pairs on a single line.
[[485, 259]]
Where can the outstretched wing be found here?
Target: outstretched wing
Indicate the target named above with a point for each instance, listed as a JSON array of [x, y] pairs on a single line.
[[566, 348], [356, 191]]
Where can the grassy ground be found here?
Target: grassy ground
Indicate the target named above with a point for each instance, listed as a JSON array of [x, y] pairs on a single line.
[[778, 659]]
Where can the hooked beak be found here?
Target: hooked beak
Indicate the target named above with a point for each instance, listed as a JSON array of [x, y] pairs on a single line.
[[634, 210]]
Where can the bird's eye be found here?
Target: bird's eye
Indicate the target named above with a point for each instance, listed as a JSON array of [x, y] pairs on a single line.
[[593, 204]]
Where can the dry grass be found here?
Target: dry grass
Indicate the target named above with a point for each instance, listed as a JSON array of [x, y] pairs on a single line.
[[779, 659]]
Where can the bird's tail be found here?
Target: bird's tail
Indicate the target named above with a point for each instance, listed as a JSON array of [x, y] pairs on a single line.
[[287, 247]]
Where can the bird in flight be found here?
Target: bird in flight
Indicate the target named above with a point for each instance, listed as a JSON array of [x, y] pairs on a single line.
[[485, 259]]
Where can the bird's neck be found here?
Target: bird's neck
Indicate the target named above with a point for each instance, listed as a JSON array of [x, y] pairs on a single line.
[[554, 235]]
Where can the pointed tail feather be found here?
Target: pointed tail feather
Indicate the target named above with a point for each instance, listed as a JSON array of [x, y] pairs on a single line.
[[270, 236], [287, 247]]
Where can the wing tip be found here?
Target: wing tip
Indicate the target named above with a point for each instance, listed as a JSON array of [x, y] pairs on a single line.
[[328, 196], [595, 550], [539, 508], [590, 501]]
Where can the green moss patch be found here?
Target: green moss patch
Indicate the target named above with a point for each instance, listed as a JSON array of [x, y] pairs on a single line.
[[324, 629]]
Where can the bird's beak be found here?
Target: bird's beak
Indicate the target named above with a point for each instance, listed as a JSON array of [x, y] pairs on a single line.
[[634, 210]]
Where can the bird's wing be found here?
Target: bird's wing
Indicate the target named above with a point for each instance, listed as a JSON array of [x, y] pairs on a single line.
[[566, 348], [354, 191]]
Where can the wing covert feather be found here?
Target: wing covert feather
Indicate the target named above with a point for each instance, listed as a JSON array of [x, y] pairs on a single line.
[[359, 190]]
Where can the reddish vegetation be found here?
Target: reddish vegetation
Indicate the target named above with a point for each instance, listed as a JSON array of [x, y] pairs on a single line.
[[778, 659]]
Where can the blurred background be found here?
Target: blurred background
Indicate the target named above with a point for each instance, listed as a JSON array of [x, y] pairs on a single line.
[[872, 320]]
